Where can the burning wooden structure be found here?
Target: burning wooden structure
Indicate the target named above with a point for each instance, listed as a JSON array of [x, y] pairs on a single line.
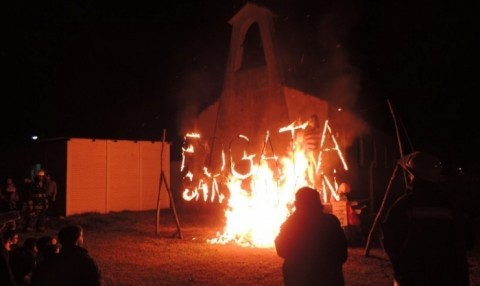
[[254, 98], [263, 139]]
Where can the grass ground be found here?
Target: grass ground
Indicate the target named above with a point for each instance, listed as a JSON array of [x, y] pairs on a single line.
[[129, 251]]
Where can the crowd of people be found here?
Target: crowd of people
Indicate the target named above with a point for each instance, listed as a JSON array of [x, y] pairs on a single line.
[[424, 234], [47, 260], [39, 259], [31, 200]]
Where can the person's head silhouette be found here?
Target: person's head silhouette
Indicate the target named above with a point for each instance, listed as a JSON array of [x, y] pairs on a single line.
[[71, 235], [307, 199]]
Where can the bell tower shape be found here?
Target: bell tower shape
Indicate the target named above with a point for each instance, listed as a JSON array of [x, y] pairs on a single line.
[[252, 44], [252, 101]]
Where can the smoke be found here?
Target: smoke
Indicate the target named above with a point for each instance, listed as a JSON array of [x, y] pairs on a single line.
[[340, 80], [350, 125], [314, 39], [313, 47], [193, 87], [198, 89], [203, 58]]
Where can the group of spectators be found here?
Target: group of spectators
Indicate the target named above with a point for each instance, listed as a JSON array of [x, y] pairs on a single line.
[[32, 200], [39, 259], [47, 260], [424, 233], [20, 258]]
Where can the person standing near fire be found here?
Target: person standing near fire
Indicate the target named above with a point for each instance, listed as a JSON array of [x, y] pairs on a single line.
[[37, 203], [312, 244], [11, 194], [311, 144], [51, 194], [423, 232]]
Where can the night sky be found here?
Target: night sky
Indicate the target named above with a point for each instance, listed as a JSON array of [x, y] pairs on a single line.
[[125, 70]]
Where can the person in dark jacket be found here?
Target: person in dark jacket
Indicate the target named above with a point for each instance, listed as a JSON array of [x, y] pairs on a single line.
[[46, 246], [72, 266], [423, 233], [312, 244], [23, 261], [37, 203]]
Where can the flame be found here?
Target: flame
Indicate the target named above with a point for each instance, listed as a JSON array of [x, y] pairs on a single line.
[[261, 198]]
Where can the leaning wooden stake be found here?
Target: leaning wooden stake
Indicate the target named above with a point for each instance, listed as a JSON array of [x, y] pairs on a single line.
[[399, 140], [380, 212], [163, 180], [382, 207]]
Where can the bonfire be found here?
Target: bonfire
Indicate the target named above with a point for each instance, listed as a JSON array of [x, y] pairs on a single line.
[[259, 188]]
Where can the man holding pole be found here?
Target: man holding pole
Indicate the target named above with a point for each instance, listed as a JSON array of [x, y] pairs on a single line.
[[423, 233]]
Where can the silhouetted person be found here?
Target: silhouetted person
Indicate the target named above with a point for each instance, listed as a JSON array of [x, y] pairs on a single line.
[[11, 195], [23, 192], [37, 203], [47, 247], [52, 191], [72, 266], [6, 274], [312, 243], [10, 239], [423, 234], [23, 261]]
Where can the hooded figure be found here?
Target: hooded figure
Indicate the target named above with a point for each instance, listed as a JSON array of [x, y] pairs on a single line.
[[312, 244], [423, 233]]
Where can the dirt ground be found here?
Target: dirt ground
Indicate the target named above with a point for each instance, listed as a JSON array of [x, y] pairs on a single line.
[[129, 251]]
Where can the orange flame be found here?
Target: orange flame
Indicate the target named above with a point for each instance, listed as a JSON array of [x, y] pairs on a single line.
[[261, 198]]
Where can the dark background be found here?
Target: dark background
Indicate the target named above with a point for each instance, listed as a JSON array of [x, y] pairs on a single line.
[[126, 70]]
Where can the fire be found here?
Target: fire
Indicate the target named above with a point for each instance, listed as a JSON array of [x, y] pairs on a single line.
[[262, 190]]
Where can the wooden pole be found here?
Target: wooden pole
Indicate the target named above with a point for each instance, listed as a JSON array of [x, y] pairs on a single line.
[[399, 141], [160, 185], [380, 212], [163, 180], [371, 187], [382, 207], [172, 203]]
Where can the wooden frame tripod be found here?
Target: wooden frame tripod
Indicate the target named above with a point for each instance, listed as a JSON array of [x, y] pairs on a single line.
[[163, 180]]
